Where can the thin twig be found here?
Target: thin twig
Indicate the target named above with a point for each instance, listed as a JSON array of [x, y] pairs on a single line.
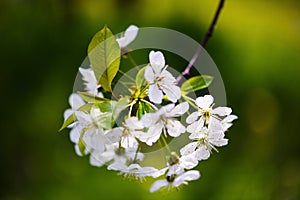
[[203, 43]]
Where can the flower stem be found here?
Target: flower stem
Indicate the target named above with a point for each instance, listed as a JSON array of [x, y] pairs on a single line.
[[165, 143], [136, 153], [203, 43]]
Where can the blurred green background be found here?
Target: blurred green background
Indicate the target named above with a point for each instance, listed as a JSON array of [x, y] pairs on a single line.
[[256, 46]]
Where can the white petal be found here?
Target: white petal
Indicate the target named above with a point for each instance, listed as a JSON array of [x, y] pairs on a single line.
[[175, 128], [188, 162], [116, 166], [152, 135], [114, 135], [83, 118], [187, 176], [149, 75], [75, 101], [149, 119], [75, 134], [129, 35], [229, 118], [90, 80], [77, 150], [129, 142], [195, 127], [179, 110], [204, 102], [157, 61], [189, 148], [155, 94], [160, 172], [133, 123], [222, 111], [202, 153], [221, 142], [95, 160], [192, 117], [68, 113], [168, 78], [158, 184], [172, 91]]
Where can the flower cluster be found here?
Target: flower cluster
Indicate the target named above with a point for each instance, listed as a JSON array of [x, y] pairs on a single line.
[[115, 131]]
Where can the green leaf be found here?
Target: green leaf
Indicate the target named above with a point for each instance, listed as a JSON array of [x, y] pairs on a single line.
[[196, 83], [107, 106], [70, 120], [81, 144], [86, 108], [104, 54], [140, 79], [105, 120], [91, 98], [121, 105]]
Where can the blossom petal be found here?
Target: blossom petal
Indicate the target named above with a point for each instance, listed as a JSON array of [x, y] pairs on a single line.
[[222, 111], [179, 110], [75, 134], [188, 149], [149, 119], [157, 61], [95, 160], [187, 176], [168, 78], [149, 74], [189, 161], [90, 80], [192, 117], [174, 128], [152, 135], [204, 102], [129, 142], [158, 184], [75, 101], [229, 118], [134, 123], [202, 153], [155, 94], [129, 35], [195, 127], [68, 113], [172, 91], [114, 135], [83, 118]]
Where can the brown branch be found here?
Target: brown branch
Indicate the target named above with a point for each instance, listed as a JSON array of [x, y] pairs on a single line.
[[208, 35]]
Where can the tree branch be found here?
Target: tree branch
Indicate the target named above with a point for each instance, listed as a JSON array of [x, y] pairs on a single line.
[[208, 35]]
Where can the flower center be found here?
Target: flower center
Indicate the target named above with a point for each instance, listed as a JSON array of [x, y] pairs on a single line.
[[171, 178], [120, 151]]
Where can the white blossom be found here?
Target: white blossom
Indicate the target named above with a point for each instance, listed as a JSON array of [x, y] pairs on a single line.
[[164, 120], [135, 170], [91, 131], [116, 154], [129, 36], [90, 81], [75, 102], [130, 129], [176, 180], [205, 112], [205, 139], [161, 81], [227, 122]]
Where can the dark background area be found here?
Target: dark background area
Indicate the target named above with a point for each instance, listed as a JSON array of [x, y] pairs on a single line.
[[256, 47]]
